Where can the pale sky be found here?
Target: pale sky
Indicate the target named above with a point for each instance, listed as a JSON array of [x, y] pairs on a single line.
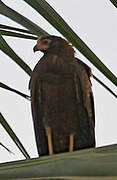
[[95, 23]]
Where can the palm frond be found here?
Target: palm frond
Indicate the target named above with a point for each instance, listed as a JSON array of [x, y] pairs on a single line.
[[1, 144], [106, 87], [14, 34], [17, 17], [90, 164], [13, 136], [7, 50], [114, 2], [15, 91], [2, 26]]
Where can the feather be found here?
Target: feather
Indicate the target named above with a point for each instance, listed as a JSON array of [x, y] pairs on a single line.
[[61, 98]]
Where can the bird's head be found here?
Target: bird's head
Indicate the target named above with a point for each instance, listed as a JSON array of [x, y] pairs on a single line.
[[53, 44], [43, 43]]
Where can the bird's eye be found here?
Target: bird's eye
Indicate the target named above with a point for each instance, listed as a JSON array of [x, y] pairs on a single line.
[[46, 42]]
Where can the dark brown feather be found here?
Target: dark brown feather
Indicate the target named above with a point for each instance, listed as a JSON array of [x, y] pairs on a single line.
[[62, 98]]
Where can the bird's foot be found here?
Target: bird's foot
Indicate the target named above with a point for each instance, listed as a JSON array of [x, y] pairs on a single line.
[[71, 143], [49, 137]]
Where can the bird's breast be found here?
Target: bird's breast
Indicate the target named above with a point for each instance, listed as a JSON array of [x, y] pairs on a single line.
[[59, 104]]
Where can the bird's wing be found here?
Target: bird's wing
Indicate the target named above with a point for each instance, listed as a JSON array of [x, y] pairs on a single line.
[[35, 86], [86, 87], [85, 106], [86, 67]]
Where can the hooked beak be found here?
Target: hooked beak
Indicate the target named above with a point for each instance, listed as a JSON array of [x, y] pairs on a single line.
[[35, 49]]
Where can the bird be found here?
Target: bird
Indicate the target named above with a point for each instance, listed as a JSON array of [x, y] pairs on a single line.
[[62, 100]]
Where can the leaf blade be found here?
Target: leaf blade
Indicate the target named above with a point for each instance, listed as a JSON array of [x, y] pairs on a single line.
[[17, 17], [106, 87], [90, 164], [6, 148], [7, 50], [13, 136], [19, 35], [2, 26], [114, 2], [15, 91]]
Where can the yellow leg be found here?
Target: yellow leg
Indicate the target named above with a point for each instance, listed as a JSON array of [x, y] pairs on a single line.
[[71, 143], [49, 136]]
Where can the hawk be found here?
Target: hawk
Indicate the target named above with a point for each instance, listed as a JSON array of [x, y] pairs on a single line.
[[61, 99]]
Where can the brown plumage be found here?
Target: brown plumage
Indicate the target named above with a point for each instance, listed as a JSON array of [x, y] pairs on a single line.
[[61, 98]]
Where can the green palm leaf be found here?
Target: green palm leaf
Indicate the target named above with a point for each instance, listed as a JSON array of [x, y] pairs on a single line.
[[10, 13], [7, 50], [14, 34], [88, 164], [13, 136], [106, 87], [14, 29], [15, 91], [56, 20], [114, 2], [5, 148]]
